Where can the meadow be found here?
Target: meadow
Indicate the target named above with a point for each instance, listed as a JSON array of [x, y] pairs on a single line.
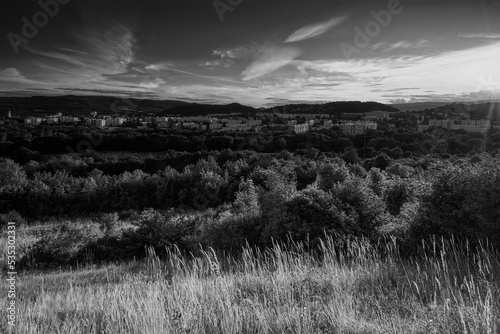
[[353, 287], [258, 244]]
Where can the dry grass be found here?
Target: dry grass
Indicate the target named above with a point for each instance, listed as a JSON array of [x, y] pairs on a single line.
[[280, 290]]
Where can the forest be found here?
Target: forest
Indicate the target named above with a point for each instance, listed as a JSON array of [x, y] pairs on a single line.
[[390, 224]]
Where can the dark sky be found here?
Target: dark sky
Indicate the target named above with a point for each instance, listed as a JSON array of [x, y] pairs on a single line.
[[256, 52]]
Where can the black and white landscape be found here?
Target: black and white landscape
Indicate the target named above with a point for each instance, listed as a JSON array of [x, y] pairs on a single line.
[[250, 166]]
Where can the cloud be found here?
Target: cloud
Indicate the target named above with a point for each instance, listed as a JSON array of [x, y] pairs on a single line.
[[152, 83], [10, 73], [113, 92], [270, 59], [406, 77], [398, 101], [479, 36], [66, 49], [55, 55], [235, 53], [99, 51], [111, 46], [386, 47], [210, 63], [315, 30], [159, 66]]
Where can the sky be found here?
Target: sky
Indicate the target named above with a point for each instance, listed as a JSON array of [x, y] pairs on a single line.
[[254, 52]]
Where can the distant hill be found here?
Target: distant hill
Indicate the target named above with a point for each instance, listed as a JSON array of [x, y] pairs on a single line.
[[205, 109], [489, 111], [357, 107], [334, 108], [82, 105], [419, 106], [477, 110]]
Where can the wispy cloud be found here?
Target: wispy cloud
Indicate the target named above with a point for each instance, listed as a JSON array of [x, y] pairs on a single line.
[[386, 47], [152, 83], [111, 47], [65, 49], [479, 35], [159, 66], [270, 59], [211, 64], [240, 52], [451, 73], [10, 73], [315, 30], [55, 55]]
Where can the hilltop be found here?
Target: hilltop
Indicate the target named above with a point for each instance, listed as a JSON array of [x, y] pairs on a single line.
[[78, 105]]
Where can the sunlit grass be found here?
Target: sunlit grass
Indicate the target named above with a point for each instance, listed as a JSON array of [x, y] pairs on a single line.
[[284, 289]]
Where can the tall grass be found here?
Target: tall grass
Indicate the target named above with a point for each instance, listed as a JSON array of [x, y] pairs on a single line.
[[355, 287]]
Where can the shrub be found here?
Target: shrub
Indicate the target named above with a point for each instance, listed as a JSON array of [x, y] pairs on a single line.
[[61, 247], [308, 216], [357, 170], [12, 216], [464, 200], [376, 181], [230, 231], [331, 174], [12, 175], [159, 230], [110, 223], [247, 199], [397, 194], [400, 170], [357, 199]]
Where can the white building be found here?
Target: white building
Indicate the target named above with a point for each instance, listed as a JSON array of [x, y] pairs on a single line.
[[298, 128], [357, 128]]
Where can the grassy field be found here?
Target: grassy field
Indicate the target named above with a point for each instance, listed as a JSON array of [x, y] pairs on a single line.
[[284, 289]]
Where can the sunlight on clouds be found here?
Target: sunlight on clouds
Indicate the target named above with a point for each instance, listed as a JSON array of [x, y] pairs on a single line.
[[55, 55], [10, 73], [448, 73], [480, 35], [159, 66], [111, 47], [386, 47], [152, 84], [315, 30], [270, 59], [235, 53]]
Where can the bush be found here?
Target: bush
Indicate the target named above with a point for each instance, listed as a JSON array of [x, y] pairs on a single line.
[[400, 170], [331, 174], [161, 231], [397, 194], [230, 231], [110, 224], [464, 200], [361, 201], [12, 175], [308, 216], [61, 247], [12, 216]]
